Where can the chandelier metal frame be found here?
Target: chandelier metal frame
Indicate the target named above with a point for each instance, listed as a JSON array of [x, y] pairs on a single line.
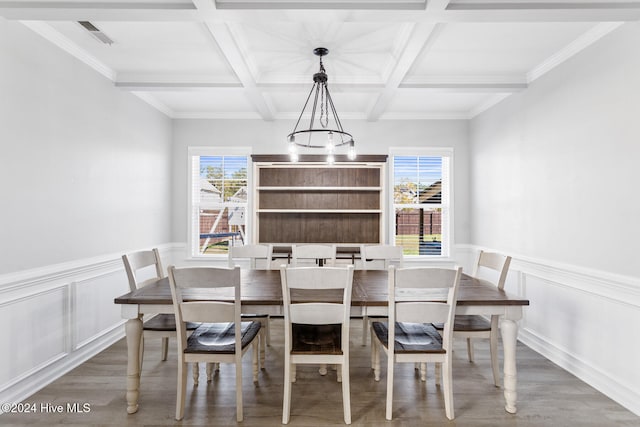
[[322, 101]]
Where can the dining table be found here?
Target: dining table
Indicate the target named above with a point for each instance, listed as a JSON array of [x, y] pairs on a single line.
[[261, 291]]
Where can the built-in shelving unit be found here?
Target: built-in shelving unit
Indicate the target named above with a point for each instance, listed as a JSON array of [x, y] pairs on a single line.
[[312, 202]]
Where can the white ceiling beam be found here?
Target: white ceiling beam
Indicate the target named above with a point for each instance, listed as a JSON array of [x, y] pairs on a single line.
[[158, 86], [98, 11], [54, 36], [153, 101], [222, 36], [484, 84], [422, 36], [199, 10], [147, 82], [323, 4], [186, 85]]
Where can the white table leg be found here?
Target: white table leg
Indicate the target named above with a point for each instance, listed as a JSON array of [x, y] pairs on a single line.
[[509, 329], [133, 329]]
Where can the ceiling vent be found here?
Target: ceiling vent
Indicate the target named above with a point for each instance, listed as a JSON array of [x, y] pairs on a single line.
[[95, 32]]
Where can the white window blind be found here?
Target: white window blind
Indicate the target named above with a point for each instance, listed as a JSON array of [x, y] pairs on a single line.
[[219, 201], [421, 208]]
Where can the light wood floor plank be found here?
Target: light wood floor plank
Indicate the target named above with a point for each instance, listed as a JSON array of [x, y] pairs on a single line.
[[547, 395]]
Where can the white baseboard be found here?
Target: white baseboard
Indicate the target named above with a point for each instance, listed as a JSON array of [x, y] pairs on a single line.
[[615, 388]]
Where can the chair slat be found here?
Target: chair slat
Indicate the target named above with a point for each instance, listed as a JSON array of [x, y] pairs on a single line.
[[317, 313], [209, 311]]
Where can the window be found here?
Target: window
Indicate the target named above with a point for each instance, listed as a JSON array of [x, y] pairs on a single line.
[[421, 211], [219, 200]]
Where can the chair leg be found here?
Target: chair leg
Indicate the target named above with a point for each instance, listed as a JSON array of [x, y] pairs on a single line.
[[195, 368], [323, 369], [470, 349], [268, 326], [165, 348], [293, 372], [389, 409], [339, 373], [255, 350], [209, 369], [239, 410], [423, 371], [141, 354], [346, 391], [438, 373], [182, 389], [493, 348], [263, 343], [365, 329], [375, 349], [448, 390], [286, 399]]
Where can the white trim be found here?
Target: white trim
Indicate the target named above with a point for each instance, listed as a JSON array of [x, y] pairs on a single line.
[[212, 150], [49, 33], [618, 389], [585, 40], [155, 103], [57, 275], [444, 152], [615, 287]]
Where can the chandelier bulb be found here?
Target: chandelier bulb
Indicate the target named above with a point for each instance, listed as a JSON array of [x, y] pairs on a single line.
[[351, 154]]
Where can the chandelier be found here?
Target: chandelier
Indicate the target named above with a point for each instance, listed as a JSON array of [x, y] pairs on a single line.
[[323, 135]]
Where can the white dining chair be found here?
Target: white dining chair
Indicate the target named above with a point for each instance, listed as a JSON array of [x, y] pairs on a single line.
[[144, 268], [409, 336], [378, 257], [313, 255], [473, 327], [316, 332], [222, 337], [258, 257]]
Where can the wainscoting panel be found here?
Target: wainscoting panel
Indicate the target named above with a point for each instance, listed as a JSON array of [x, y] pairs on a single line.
[[92, 317], [585, 321], [34, 331], [56, 317]]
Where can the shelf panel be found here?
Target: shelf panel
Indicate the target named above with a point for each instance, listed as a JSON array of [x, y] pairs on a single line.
[[319, 210], [318, 227], [302, 188]]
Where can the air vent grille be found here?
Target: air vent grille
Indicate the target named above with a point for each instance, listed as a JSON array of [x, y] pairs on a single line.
[[95, 32]]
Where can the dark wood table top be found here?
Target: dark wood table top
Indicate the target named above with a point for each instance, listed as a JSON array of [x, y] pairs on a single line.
[[370, 288]]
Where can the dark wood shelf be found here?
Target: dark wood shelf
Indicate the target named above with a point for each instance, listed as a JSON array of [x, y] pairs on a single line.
[[319, 204]]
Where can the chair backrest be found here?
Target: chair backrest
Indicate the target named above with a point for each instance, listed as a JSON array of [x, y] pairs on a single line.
[[210, 284], [388, 254], [136, 261], [308, 254], [426, 304], [496, 262], [323, 308], [251, 253]]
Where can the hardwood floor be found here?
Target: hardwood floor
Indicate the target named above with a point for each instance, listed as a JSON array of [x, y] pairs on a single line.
[[547, 395]]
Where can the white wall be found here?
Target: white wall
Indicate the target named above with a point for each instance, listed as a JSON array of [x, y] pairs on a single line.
[[85, 175], [554, 176], [371, 138]]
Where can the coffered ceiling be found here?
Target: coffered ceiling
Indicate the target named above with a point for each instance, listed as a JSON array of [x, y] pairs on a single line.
[[404, 59]]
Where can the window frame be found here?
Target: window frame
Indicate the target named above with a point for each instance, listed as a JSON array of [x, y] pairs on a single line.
[[447, 203], [193, 240]]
